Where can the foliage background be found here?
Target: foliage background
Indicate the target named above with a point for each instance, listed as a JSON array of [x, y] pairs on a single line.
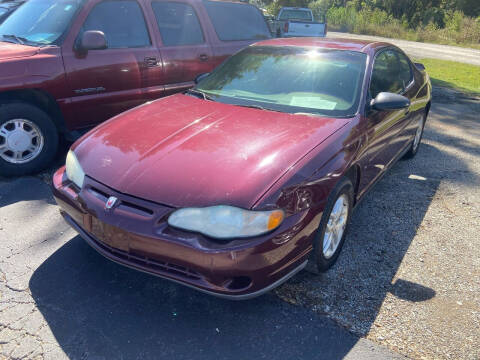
[[440, 21]]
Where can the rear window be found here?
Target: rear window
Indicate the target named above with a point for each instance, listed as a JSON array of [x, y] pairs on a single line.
[[296, 15], [235, 22]]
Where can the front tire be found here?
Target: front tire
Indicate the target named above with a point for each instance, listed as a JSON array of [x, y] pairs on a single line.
[[333, 227], [28, 139]]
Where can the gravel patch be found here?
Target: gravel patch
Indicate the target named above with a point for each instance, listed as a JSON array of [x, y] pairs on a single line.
[[409, 273]]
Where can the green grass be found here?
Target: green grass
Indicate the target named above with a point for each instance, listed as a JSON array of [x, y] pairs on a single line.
[[455, 75]]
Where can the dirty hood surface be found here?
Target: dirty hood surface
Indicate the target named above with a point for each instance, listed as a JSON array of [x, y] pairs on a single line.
[[12, 51], [183, 151]]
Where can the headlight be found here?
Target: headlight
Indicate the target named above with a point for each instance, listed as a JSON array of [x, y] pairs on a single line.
[[74, 170], [226, 221]]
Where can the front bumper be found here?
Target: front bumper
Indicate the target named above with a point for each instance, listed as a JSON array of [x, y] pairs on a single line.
[[135, 234]]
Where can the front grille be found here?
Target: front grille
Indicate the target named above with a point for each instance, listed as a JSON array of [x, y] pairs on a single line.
[[144, 261], [123, 204]]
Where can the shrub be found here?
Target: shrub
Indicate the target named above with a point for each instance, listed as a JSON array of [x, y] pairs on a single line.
[[437, 26]]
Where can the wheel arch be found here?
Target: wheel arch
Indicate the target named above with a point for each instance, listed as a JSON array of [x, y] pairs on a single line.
[[427, 108], [354, 173], [39, 98]]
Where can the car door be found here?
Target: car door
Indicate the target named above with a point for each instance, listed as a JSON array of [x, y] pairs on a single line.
[[104, 83], [384, 128], [185, 49]]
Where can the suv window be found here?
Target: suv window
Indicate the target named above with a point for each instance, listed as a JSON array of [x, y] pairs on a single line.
[[178, 23], [235, 21], [121, 21], [296, 15], [389, 73]]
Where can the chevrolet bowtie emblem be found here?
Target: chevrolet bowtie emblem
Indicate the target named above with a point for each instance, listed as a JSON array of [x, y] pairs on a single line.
[[112, 200]]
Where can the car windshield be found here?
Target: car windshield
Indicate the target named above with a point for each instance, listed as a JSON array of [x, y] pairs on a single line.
[[295, 15], [39, 22], [290, 79]]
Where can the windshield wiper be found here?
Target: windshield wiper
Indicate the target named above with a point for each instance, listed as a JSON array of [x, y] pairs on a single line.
[[201, 93], [259, 107], [18, 39]]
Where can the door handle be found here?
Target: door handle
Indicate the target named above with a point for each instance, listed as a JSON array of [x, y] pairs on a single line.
[[203, 57], [150, 61]]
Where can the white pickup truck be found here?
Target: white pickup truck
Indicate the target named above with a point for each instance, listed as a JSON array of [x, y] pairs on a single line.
[[295, 21]]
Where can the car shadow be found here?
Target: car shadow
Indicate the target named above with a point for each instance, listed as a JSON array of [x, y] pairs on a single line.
[[97, 309], [27, 188], [382, 229], [35, 187]]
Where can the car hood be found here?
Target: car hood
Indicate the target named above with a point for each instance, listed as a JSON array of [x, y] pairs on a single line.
[[183, 151], [11, 51]]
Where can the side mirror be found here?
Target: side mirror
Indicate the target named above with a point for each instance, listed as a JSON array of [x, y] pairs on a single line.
[[420, 66], [201, 77], [389, 101], [92, 40]]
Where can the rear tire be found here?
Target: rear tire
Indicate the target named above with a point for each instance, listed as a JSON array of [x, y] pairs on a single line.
[[339, 205], [416, 140], [28, 139]]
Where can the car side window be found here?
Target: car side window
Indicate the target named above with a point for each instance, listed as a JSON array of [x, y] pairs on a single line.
[[385, 74], [404, 69], [178, 23], [121, 21]]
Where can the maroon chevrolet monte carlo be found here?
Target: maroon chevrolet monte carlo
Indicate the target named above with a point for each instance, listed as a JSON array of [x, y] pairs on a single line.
[[233, 186]]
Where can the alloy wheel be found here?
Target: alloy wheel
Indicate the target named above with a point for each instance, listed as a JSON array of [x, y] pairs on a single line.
[[336, 225]]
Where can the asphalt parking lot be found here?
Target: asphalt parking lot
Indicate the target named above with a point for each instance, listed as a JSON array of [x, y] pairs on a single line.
[[406, 284]]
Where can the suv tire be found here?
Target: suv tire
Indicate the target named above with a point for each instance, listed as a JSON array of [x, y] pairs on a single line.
[[28, 139]]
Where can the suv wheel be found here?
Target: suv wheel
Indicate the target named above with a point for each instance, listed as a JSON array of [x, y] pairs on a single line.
[[28, 139]]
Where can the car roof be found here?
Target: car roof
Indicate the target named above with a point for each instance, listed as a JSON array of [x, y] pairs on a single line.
[[294, 8], [227, 1], [326, 43]]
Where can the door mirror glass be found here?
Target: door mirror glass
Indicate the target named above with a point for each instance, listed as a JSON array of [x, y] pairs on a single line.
[[93, 40], [389, 101], [201, 77]]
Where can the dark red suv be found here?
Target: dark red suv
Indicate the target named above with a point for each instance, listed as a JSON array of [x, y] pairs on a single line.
[[70, 64]]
